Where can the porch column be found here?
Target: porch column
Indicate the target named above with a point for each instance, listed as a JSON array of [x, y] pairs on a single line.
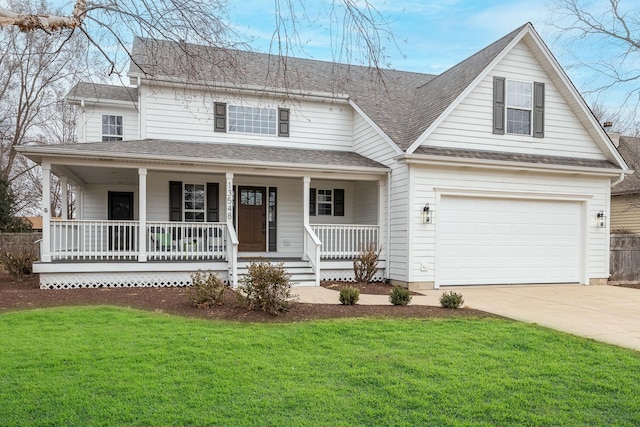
[[64, 198], [305, 216], [305, 199], [142, 214], [79, 202], [45, 245]]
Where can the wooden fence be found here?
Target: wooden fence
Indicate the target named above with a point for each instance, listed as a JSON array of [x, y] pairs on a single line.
[[625, 258], [21, 242]]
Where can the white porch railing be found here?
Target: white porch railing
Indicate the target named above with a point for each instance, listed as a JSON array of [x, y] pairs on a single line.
[[90, 240], [186, 240], [119, 240], [346, 241], [312, 248]]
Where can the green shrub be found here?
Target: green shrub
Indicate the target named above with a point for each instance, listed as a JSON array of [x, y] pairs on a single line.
[[365, 265], [451, 300], [267, 287], [349, 295], [207, 290], [17, 263], [400, 296]]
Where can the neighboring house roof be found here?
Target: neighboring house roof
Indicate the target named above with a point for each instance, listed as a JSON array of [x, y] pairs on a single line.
[[629, 148], [84, 90], [237, 154]]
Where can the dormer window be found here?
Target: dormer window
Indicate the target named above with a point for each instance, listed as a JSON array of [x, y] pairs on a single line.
[[519, 103], [112, 128], [518, 107]]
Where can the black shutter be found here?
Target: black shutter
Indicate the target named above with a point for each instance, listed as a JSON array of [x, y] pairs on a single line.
[[220, 117], [498, 105], [338, 202], [283, 122], [538, 110], [312, 202], [213, 202], [175, 201]]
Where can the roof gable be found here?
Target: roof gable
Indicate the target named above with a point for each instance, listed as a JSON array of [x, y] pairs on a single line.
[[433, 98]]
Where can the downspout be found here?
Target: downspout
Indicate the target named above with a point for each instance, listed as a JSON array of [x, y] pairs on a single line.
[[388, 269], [139, 109], [84, 121], [618, 181]]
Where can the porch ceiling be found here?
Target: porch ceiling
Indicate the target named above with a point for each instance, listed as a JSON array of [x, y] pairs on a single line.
[[153, 151]]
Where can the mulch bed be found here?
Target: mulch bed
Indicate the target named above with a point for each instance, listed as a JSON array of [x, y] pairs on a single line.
[[16, 295]]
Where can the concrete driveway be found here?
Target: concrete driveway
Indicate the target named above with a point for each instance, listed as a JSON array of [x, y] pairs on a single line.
[[604, 313]]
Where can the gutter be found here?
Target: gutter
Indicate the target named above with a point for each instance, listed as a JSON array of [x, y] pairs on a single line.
[[131, 157], [247, 89], [508, 165]]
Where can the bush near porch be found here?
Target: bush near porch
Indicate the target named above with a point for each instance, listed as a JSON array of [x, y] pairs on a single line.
[[115, 366]]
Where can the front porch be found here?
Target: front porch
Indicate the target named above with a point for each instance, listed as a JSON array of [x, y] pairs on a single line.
[[87, 253], [153, 212]]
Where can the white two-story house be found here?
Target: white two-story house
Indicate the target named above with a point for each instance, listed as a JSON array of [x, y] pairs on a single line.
[[493, 172]]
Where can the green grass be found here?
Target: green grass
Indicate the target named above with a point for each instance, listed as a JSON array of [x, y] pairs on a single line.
[[113, 366]]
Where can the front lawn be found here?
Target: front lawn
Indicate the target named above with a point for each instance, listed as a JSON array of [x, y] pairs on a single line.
[[114, 366]]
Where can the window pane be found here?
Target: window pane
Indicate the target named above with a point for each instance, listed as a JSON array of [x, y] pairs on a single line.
[[519, 121], [519, 94]]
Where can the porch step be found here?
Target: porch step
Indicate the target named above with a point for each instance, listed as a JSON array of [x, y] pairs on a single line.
[[301, 272]]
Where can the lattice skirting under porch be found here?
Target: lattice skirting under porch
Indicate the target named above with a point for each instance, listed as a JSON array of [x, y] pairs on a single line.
[[115, 280], [347, 275]]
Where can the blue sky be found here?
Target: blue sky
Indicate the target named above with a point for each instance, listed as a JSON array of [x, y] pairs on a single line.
[[432, 35], [435, 35]]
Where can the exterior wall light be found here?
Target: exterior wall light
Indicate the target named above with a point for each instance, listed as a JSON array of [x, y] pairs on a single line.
[[426, 214], [601, 220]]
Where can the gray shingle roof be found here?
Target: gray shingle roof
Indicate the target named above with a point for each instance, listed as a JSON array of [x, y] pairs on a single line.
[[386, 98], [403, 105], [84, 90], [163, 150], [629, 149], [515, 157]]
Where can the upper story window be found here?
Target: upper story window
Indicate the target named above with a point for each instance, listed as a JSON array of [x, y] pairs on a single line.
[[519, 104], [263, 121], [252, 120], [518, 107], [112, 129]]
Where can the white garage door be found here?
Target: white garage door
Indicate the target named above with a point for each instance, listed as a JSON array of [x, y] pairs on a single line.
[[507, 241]]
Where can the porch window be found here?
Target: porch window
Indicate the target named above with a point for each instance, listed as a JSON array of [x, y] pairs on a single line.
[[326, 202], [112, 128], [194, 202]]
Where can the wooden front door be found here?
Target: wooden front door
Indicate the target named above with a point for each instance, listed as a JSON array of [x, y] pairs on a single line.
[[252, 219]]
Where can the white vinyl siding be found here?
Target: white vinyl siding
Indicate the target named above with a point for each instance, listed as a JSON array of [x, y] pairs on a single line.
[[369, 143], [186, 115], [90, 122], [470, 124]]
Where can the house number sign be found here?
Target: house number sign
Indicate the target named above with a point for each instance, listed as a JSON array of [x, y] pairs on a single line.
[[229, 201]]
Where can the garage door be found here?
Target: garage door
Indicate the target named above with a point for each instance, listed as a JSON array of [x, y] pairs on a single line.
[[507, 241]]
